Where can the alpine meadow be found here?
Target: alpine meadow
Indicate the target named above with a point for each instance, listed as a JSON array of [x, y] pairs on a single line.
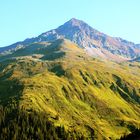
[[70, 83]]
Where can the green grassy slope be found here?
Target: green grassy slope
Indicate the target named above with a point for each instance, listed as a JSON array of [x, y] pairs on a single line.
[[81, 93]]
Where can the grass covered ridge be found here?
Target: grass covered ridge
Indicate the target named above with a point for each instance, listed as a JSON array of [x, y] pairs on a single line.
[[78, 92]]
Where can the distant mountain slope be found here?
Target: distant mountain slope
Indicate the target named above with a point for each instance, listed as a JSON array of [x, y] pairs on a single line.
[[94, 99], [47, 51], [94, 42]]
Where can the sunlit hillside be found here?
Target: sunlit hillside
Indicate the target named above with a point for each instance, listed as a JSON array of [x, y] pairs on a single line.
[[87, 97]]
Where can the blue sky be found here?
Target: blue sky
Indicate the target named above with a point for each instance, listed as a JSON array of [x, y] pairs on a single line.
[[21, 19]]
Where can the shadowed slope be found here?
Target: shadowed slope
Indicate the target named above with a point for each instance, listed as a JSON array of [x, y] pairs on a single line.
[[47, 51]]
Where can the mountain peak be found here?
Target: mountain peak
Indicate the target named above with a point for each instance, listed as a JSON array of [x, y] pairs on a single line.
[[75, 22], [74, 19], [93, 41]]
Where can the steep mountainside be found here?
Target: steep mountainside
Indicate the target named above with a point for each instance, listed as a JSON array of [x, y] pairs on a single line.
[[94, 99], [97, 44]]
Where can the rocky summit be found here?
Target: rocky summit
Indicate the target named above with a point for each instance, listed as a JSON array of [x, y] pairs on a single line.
[[95, 43]]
